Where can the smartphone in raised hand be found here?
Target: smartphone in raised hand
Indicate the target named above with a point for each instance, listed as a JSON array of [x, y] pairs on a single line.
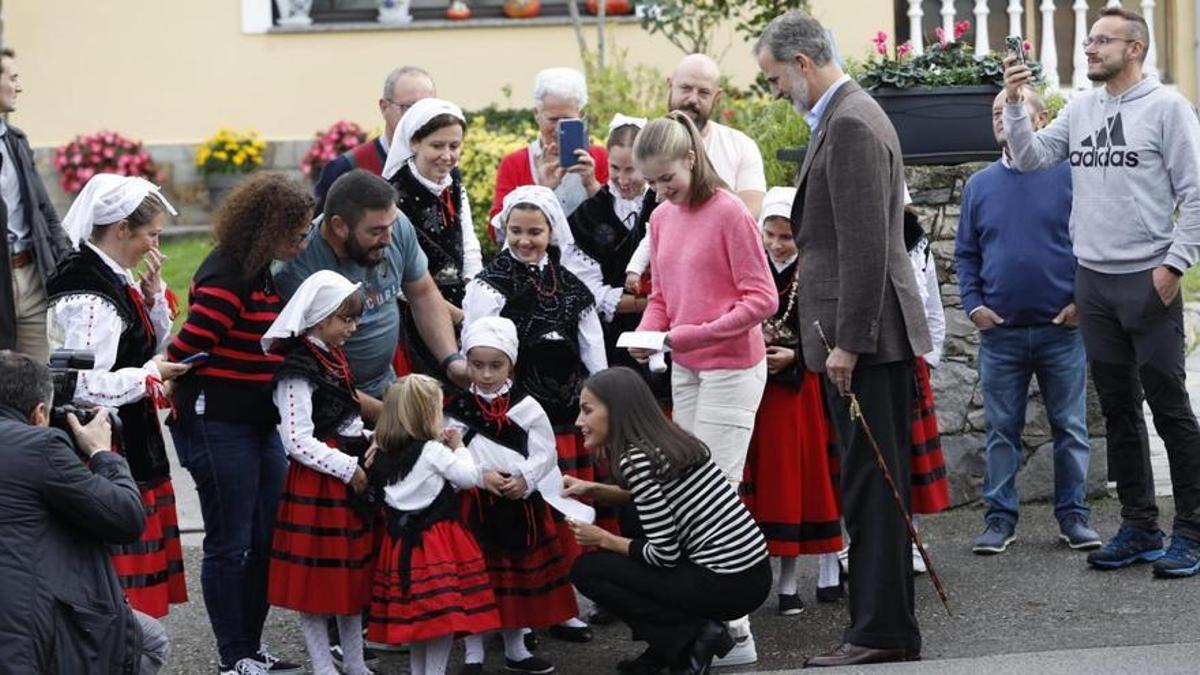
[[572, 136], [1015, 45]]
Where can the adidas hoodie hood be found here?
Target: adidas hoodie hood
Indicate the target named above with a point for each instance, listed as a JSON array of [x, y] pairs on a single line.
[[1135, 159]]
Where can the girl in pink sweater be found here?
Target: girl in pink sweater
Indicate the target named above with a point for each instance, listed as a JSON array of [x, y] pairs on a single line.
[[711, 290]]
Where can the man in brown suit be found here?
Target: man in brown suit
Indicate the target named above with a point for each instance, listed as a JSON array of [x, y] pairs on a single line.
[[856, 281]]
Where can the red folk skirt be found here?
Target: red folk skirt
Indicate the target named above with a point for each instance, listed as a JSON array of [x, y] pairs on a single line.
[[930, 491], [151, 569], [322, 556], [448, 592], [574, 459], [788, 483], [532, 586]]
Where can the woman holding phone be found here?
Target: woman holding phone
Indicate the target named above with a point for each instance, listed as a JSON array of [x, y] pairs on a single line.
[[559, 96]]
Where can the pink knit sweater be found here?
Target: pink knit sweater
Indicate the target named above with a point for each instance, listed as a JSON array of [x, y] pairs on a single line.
[[710, 284]]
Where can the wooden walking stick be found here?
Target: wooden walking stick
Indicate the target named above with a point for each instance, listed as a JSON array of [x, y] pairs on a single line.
[[857, 415]]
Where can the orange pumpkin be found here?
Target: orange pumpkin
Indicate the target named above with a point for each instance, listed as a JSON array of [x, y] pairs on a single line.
[[610, 7], [458, 11], [522, 9]]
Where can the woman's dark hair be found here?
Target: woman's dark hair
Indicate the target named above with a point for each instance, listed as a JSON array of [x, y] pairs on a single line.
[[438, 122], [269, 207], [622, 136], [143, 215], [636, 420]]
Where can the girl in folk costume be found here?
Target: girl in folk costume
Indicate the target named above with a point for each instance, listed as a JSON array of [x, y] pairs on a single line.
[[930, 485], [535, 281], [787, 481], [96, 306], [431, 582], [421, 164], [509, 433], [323, 551]]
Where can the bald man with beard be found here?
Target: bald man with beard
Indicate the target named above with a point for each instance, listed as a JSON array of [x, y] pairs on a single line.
[[695, 89]]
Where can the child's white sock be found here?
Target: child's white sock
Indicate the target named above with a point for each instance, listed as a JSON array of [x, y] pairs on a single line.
[[316, 640], [350, 629], [789, 584], [829, 570], [514, 644], [473, 648]]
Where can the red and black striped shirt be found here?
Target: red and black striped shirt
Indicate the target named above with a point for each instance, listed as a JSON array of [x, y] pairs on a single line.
[[227, 316]]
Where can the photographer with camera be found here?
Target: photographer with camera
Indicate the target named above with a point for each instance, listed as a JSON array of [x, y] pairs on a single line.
[[97, 306], [62, 608]]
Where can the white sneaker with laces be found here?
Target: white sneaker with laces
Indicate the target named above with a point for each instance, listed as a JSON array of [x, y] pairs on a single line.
[[249, 666], [743, 653]]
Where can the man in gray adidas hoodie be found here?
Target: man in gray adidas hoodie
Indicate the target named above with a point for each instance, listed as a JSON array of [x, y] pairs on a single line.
[[1134, 151]]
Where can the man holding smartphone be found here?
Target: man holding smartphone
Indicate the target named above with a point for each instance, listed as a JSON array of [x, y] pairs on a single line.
[[1134, 151]]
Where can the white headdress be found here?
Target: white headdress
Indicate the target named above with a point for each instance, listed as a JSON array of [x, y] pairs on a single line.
[[421, 112], [106, 199], [319, 296], [620, 120], [777, 203], [547, 202], [492, 331]]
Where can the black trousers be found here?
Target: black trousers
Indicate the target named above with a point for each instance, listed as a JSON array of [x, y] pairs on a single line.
[[1135, 349], [667, 606], [881, 581]]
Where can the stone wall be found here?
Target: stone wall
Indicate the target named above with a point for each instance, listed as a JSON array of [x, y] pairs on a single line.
[[936, 193]]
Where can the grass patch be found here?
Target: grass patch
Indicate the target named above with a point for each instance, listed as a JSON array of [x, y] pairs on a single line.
[[1191, 282], [183, 257]]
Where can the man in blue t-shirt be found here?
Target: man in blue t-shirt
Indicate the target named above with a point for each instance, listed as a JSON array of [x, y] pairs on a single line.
[[1016, 273], [365, 238]]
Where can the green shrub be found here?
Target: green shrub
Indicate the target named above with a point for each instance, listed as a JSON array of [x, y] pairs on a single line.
[[774, 125], [482, 152], [618, 87]]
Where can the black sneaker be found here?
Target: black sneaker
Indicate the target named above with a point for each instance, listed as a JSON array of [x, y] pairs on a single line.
[[1182, 558], [827, 594], [790, 605], [1075, 532], [275, 665], [570, 633], [995, 538], [531, 641], [530, 665], [1131, 545], [645, 663], [601, 617]]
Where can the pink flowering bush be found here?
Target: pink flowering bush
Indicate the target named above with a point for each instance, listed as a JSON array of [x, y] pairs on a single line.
[[103, 152], [944, 63], [335, 140]]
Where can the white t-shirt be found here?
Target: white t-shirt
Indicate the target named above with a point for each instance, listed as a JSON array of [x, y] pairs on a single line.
[[736, 158]]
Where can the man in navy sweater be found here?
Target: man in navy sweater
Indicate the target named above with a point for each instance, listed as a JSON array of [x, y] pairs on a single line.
[[1016, 273]]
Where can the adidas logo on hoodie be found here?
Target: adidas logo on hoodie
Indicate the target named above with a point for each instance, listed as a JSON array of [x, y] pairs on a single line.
[[1102, 147]]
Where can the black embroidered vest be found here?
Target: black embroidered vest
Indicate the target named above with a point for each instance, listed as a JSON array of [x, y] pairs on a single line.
[[438, 231], [465, 408], [780, 329], [83, 272], [540, 302], [599, 234], [333, 403]]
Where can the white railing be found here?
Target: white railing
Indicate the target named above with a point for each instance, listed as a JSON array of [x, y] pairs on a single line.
[[1048, 50]]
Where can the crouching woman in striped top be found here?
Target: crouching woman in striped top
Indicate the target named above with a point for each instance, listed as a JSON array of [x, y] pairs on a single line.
[[696, 534]]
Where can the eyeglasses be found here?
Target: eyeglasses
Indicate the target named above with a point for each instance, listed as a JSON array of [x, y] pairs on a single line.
[[402, 107], [1104, 40]]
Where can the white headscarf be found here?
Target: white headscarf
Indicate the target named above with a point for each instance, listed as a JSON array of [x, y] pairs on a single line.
[[777, 203], [547, 202], [106, 199], [496, 332], [620, 120], [319, 296], [400, 148]]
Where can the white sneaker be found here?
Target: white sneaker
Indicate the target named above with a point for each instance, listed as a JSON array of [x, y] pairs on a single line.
[[743, 653], [918, 561], [249, 666]]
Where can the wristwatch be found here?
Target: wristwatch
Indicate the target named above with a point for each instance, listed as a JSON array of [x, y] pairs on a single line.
[[453, 356]]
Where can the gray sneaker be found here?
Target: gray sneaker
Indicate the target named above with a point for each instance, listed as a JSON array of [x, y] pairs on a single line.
[[1074, 530], [996, 538]]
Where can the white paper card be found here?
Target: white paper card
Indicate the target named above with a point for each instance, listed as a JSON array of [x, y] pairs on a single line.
[[642, 339]]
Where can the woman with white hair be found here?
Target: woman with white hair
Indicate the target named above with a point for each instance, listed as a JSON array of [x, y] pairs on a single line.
[[558, 94], [97, 306]]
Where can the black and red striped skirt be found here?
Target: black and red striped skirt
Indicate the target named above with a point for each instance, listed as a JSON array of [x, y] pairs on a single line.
[[151, 569], [322, 553], [788, 483], [532, 585], [448, 591], [930, 487]]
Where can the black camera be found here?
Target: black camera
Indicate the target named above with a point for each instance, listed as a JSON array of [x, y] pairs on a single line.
[[65, 365]]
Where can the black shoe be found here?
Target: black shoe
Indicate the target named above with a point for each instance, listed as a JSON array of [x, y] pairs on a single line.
[[790, 605], [847, 654], [713, 641], [471, 669], [531, 641], [570, 633], [601, 617], [645, 663], [831, 593], [275, 665], [530, 665]]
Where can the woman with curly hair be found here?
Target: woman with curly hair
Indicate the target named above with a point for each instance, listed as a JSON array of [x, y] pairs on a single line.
[[224, 423]]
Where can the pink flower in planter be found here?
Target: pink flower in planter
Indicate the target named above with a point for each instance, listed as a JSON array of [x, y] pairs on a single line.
[[880, 41], [1026, 46], [904, 50], [941, 35], [961, 28]]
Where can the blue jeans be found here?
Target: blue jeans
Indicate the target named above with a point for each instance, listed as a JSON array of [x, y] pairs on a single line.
[[239, 471], [1008, 358]]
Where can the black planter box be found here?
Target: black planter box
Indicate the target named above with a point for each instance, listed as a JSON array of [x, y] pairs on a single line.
[[942, 125]]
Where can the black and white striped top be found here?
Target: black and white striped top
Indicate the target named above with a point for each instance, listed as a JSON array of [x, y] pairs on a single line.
[[697, 517]]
